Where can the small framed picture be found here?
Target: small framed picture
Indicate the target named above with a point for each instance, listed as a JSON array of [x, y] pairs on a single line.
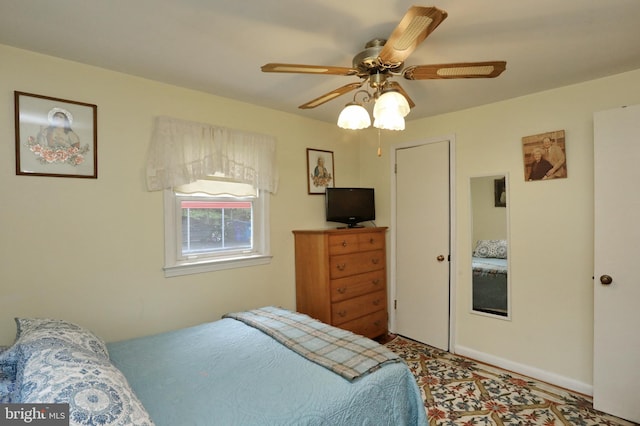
[[320, 173], [500, 192], [544, 156], [55, 137]]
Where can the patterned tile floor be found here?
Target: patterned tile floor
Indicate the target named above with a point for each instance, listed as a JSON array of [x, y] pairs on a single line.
[[459, 391]]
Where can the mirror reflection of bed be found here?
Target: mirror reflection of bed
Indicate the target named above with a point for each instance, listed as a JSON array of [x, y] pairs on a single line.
[[490, 278]]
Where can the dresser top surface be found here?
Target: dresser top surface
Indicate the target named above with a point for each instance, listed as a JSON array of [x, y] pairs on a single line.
[[340, 230]]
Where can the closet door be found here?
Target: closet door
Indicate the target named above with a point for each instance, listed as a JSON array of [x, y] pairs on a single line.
[[421, 229], [616, 376]]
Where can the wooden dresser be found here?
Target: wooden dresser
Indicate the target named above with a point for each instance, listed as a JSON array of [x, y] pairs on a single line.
[[341, 278]]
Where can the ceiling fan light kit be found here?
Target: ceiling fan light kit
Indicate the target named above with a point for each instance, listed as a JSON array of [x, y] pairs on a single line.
[[383, 59], [388, 112]]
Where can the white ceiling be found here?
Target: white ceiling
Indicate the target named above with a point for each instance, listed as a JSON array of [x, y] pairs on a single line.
[[218, 46]]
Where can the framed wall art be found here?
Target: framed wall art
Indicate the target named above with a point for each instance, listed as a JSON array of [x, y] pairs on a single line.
[[55, 137], [544, 156], [500, 192], [320, 173]]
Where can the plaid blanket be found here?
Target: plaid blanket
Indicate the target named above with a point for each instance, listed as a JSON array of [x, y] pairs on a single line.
[[341, 351]]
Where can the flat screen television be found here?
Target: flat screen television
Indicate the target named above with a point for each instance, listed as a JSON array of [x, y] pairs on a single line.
[[350, 206]]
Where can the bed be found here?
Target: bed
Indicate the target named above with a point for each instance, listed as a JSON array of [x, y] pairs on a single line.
[[268, 366], [489, 264]]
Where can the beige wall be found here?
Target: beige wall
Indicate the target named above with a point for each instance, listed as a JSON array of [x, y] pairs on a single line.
[[91, 251], [551, 223]]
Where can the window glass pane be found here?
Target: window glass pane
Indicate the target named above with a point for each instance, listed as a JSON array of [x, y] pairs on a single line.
[[210, 227], [205, 232]]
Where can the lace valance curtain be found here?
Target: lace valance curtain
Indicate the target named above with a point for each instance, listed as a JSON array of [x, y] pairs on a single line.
[[182, 152]]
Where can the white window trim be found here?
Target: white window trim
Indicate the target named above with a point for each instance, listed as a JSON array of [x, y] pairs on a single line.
[[175, 267]]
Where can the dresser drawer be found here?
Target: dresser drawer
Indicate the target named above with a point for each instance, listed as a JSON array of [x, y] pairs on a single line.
[[372, 325], [371, 241], [351, 309], [356, 263], [357, 285], [350, 243], [341, 244]]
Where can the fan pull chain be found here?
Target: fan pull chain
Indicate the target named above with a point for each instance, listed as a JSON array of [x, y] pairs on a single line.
[[379, 148]]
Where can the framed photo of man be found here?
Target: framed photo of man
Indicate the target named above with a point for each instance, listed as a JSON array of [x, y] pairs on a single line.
[[545, 156], [320, 173]]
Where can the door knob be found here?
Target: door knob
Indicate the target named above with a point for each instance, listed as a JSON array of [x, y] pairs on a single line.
[[606, 279], [440, 258]]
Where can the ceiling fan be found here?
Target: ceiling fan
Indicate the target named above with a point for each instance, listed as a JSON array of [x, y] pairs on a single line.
[[382, 59]]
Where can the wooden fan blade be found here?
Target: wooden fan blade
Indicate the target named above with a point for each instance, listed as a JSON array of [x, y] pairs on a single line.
[[331, 95], [396, 86], [489, 69], [308, 69], [414, 27]]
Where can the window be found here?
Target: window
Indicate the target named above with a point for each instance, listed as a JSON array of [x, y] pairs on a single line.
[[218, 220], [206, 232]]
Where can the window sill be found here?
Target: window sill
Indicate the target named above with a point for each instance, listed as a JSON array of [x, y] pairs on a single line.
[[215, 265]]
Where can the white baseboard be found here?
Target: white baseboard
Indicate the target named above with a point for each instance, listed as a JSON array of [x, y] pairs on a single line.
[[526, 370]]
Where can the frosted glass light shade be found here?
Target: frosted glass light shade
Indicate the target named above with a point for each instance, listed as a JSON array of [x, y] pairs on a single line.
[[354, 117], [392, 100], [388, 119]]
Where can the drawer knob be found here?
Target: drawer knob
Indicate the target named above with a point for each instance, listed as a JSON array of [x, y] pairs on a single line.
[[375, 260], [376, 281], [376, 302], [341, 266], [376, 323], [371, 241], [344, 243], [342, 290], [342, 313]]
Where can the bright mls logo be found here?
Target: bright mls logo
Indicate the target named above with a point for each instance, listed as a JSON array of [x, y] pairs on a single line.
[[34, 414]]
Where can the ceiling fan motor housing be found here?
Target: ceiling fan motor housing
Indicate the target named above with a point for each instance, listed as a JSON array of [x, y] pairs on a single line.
[[367, 61]]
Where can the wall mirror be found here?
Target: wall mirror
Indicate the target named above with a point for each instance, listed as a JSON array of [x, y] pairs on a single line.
[[490, 245]]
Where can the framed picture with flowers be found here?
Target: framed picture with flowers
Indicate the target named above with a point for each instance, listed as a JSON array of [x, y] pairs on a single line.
[[320, 173], [55, 137]]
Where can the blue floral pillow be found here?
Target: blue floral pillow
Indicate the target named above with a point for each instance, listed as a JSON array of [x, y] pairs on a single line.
[[491, 248], [8, 363], [53, 332], [96, 391], [55, 361], [42, 333]]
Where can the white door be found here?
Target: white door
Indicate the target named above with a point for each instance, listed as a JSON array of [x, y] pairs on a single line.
[[616, 375], [422, 243]]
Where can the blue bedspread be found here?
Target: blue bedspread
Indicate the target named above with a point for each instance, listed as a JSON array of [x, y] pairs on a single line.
[[228, 373], [489, 266]]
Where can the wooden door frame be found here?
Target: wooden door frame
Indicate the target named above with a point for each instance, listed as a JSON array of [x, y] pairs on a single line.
[[452, 231]]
